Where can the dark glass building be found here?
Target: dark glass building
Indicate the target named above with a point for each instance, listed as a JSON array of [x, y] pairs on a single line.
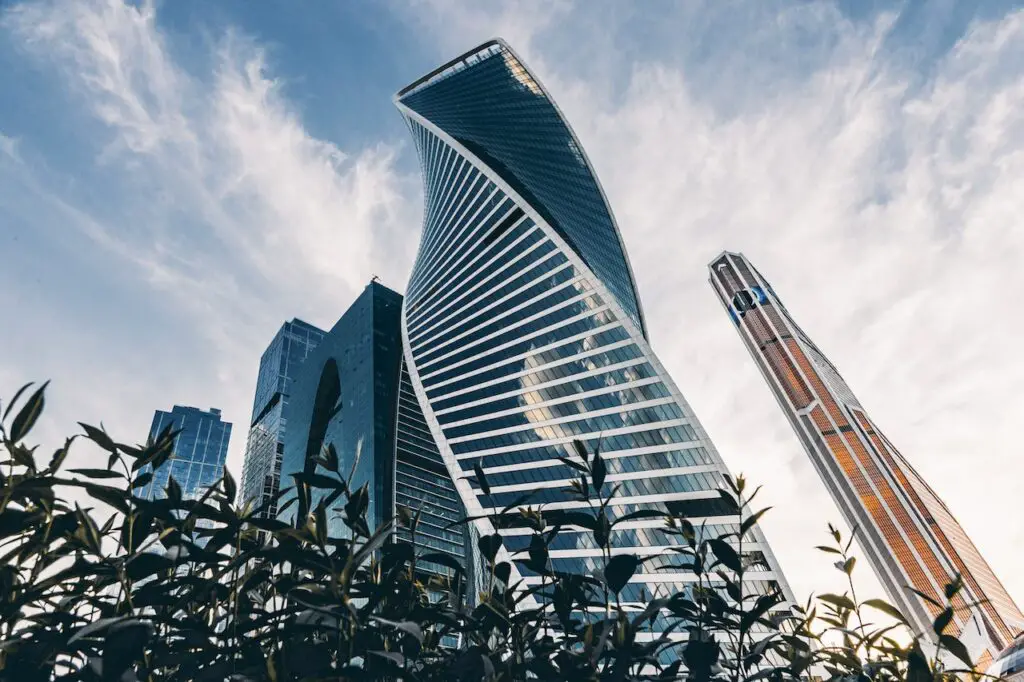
[[353, 391], [906, 532], [264, 451], [200, 451], [523, 328]]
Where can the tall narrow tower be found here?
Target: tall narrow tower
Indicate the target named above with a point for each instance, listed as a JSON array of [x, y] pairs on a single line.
[[279, 365], [908, 535], [523, 328]]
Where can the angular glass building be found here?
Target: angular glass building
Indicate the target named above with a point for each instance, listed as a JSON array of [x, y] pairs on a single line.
[[353, 391], [261, 472], [906, 532], [523, 329], [200, 451]]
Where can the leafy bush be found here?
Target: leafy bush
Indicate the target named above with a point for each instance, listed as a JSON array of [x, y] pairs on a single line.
[[115, 587]]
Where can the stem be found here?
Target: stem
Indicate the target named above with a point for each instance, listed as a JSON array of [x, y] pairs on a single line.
[[739, 586]]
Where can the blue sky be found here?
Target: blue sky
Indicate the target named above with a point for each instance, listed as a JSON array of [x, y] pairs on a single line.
[[178, 178]]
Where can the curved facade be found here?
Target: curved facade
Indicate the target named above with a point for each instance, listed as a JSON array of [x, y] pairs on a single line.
[[906, 532], [523, 330]]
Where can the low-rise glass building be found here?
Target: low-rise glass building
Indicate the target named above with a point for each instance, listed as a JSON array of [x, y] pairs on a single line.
[[200, 450]]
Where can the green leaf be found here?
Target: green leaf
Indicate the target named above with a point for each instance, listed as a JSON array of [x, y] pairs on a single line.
[[957, 648], [503, 571], [751, 521], [406, 626], [392, 656], [116, 498], [574, 465], [320, 514], [230, 488], [61, 454], [481, 479], [14, 400], [23, 457], [28, 414], [98, 626], [924, 596], [640, 514], [581, 449], [918, 669], [725, 554], [331, 458], [90, 531], [886, 608], [489, 546], [569, 517], [445, 560], [953, 588], [943, 620], [99, 437], [319, 480], [97, 473], [602, 530], [840, 601], [689, 532], [538, 553], [159, 451], [124, 645], [598, 471], [379, 537], [173, 490], [620, 569], [830, 550], [142, 479], [763, 604]]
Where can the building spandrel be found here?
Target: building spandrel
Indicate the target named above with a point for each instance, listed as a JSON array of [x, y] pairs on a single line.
[[523, 329], [908, 535]]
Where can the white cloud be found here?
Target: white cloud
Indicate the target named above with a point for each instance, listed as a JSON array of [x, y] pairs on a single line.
[[885, 212], [9, 147], [230, 210], [458, 26]]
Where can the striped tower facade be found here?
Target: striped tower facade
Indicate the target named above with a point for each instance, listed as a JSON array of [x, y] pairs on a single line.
[[523, 329], [907, 533]]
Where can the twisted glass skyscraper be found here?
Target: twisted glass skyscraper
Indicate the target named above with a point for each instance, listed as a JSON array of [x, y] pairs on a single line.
[[523, 329], [907, 533]]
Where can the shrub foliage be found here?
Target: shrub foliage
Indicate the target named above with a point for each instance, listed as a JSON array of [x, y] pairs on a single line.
[[99, 584]]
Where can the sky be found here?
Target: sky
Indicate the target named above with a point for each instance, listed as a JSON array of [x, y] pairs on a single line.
[[179, 178]]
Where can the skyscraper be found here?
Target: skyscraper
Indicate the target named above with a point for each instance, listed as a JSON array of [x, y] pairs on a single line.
[[353, 392], [200, 451], [523, 329], [908, 535], [261, 473]]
